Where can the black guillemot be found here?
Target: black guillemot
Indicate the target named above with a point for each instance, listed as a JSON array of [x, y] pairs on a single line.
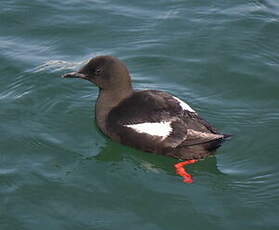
[[149, 120]]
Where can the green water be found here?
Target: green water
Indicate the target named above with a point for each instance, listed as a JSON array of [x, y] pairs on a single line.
[[57, 171]]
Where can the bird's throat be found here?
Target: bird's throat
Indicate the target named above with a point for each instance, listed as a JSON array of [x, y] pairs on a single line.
[[106, 101]]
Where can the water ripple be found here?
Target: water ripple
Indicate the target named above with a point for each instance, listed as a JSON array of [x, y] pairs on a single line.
[[57, 170], [57, 65]]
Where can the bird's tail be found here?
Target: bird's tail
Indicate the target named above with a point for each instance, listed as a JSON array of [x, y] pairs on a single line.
[[214, 144]]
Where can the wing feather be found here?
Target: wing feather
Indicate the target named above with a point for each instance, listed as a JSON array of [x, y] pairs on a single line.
[[154, 121]]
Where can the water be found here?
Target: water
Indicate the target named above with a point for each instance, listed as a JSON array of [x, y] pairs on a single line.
[[57, 171]]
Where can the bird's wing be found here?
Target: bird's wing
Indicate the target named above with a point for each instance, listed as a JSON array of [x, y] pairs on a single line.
[[152, 121]]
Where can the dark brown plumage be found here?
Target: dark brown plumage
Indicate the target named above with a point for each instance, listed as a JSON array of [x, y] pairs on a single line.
[[135, 118]]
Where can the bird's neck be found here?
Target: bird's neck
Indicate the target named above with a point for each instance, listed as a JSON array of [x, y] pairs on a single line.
[[107, 100]]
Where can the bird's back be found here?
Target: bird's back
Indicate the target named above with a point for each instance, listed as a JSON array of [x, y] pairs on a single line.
[[158, 122]]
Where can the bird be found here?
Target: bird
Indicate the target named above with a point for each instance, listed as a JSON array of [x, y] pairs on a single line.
[[149, 120]]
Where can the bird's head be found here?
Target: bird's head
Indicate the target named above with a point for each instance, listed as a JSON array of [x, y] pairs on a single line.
[[106, 72]]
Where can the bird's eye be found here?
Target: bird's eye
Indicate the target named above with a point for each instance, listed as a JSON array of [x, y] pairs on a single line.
[[97, 71]]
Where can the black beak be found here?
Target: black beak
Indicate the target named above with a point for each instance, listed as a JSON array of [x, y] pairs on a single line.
[[74, 75]]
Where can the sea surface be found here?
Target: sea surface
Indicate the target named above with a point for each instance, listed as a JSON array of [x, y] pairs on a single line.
[[57, 171]]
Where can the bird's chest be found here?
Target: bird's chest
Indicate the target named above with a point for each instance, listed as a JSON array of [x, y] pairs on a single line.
[[100, 117]]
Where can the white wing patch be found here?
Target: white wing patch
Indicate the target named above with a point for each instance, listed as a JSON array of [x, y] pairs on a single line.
[[161, 129], [184, 105]]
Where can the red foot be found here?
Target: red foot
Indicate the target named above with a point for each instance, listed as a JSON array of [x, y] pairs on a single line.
[[187, 178]]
